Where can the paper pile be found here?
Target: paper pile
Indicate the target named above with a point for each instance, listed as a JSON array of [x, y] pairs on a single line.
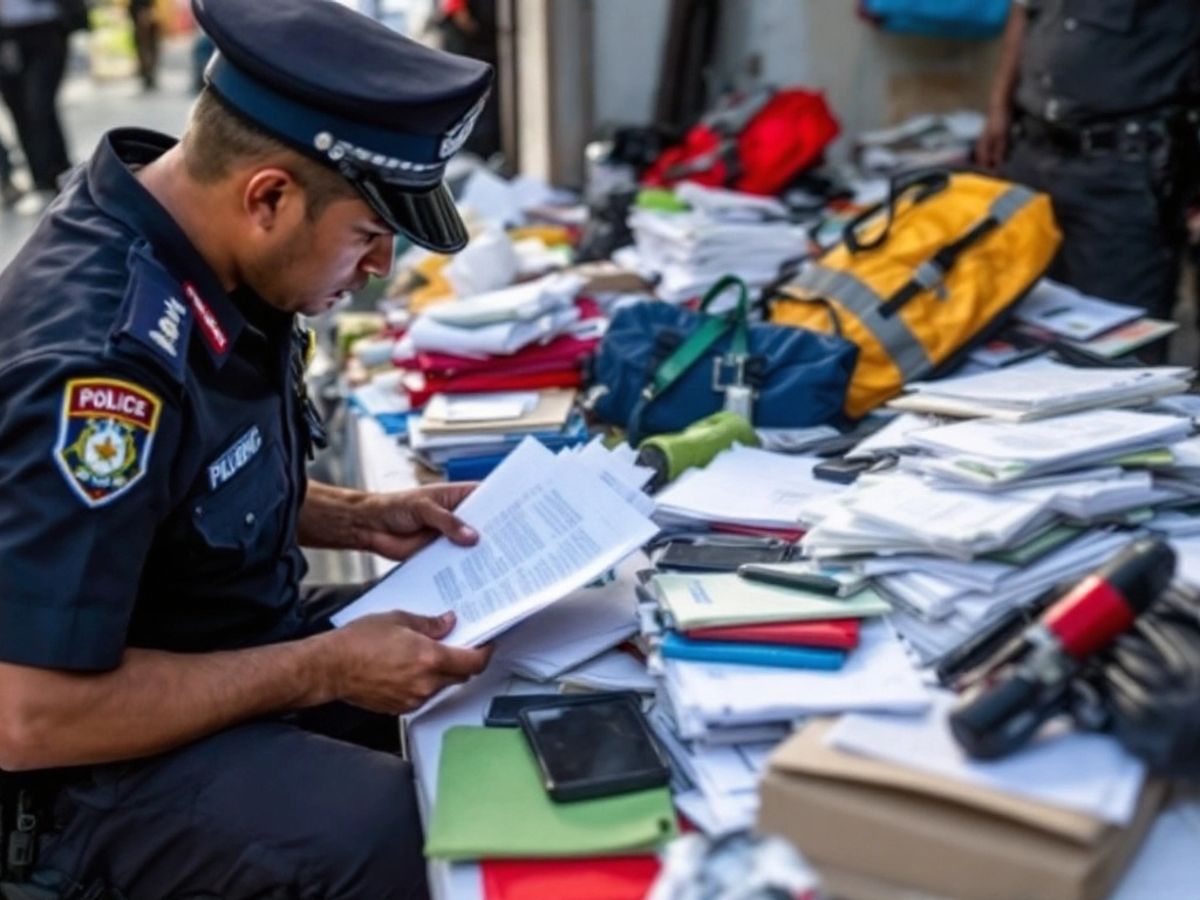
[[723, 233], [468, 435], [548, 525]]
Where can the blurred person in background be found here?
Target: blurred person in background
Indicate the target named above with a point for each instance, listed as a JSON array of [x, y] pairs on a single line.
[[147, 34], [9, 192], [33, 59], [1096, 104]]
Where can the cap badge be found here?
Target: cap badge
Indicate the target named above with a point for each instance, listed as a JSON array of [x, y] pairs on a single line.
[[457, 136]]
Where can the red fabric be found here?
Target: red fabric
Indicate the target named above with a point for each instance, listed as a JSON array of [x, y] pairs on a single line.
[[487, 382], [561, 353], [840, 634], [450, 7], [788, 135], [611, 878]]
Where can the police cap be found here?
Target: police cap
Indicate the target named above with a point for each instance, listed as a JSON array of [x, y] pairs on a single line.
[[383, 110]]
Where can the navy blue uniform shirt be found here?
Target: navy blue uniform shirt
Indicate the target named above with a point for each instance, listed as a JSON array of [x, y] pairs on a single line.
[[152, 441], [1089, 60]]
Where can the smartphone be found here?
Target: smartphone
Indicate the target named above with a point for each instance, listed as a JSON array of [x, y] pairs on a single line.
[[504, 710], [840, 470], [688, 556], [594, 748]]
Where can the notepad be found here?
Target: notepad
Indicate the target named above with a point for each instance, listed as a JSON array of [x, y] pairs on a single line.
[[711, 600], [491, 805]]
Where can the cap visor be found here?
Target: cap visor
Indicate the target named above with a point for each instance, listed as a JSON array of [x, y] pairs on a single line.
[[429, 219]]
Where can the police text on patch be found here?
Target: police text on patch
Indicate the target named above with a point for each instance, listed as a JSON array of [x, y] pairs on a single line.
[[235, 458]]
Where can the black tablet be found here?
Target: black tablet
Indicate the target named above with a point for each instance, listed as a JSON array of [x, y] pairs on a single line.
[[594, 748]]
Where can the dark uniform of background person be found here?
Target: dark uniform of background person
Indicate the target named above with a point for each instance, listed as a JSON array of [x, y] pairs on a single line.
[[190, 721], [1095, 104]]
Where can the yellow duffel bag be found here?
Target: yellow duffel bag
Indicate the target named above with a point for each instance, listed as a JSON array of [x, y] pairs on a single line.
[[922, 278]]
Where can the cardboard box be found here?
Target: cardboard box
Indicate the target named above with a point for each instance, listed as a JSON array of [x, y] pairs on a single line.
[[876, 830]]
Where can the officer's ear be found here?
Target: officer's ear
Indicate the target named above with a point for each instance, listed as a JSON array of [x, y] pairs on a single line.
[[272, 195]]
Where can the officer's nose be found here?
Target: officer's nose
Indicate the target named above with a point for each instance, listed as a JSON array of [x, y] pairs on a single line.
[[380, 256]]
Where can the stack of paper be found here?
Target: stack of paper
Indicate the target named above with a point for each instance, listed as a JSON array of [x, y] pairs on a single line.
[[744, 486], [1041, 388], [689, 251], [548, 525], [987, 452], [877, 676], [467, 435], [1086, 773]]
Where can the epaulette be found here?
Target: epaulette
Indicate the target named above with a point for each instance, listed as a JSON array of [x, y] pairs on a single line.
[[154, 318]]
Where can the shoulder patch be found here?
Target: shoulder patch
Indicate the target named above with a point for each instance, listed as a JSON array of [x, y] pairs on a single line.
[[155, 313], [105, 435]]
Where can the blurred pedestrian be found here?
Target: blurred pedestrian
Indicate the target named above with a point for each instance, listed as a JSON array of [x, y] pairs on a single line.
[[33, 58], [9, 192], [146, 38]]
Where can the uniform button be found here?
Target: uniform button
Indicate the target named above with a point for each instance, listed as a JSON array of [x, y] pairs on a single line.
[[1047, 80], [1052, 110], [1070, 24], [199, 510], [250, 518]]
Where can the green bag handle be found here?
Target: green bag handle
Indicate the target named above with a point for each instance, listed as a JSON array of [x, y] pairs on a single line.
[[696, 347]]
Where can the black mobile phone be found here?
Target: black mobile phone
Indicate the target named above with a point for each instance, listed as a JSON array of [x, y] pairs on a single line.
[[840, 470], [504, 710], [594, 748], [687, 556]]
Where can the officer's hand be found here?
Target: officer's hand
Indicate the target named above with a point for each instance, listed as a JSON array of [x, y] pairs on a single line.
[[393, 662], [992, 147], [398, 525]]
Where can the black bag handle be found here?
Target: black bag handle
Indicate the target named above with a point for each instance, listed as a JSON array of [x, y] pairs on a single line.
[[922, 183]]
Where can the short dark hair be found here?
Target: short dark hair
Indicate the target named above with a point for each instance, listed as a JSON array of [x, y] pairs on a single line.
[[217, 139]]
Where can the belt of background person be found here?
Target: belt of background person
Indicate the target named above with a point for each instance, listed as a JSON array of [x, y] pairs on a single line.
[[1133, 137]]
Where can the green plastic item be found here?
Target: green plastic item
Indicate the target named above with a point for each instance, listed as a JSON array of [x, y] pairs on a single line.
[[491, 805], [659, 200], [670, 455]]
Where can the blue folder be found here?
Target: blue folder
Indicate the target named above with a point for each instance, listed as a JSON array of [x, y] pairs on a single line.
[[675, 646]]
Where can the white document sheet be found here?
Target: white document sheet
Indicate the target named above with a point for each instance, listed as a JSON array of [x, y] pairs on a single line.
[[748, 486], [614, 670], [1064, 310], [1165, 867], [1088, 773], [944, 519], [1078, 438], [577, 628], [547, 526]]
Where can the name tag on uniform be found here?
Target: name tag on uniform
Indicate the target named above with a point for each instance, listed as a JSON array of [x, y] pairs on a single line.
[[235, 458]]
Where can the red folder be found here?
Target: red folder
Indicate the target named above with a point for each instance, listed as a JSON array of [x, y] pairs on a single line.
[[498, 381], [561, 353], [839, 634], [610, 878]]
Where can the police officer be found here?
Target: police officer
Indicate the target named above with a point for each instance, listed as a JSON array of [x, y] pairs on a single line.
[[1095, 103], [208, 733]]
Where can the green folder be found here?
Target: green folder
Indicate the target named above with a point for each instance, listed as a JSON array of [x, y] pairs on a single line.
[[491, 805], [712, 600]]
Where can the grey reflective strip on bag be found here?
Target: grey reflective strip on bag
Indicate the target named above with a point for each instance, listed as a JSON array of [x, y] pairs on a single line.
[[892, 333], [1010, 203]]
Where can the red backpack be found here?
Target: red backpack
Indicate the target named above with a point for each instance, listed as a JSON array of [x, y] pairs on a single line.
[[754, 144]]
